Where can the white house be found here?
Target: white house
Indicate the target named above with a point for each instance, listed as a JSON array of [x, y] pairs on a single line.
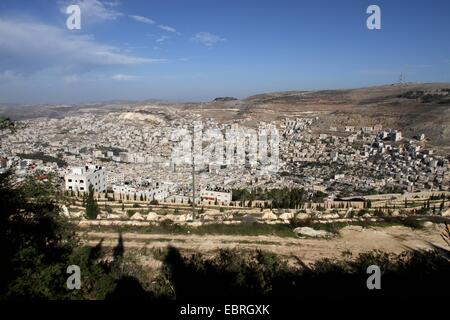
[[219, 196], [156, 191], [80, 178]]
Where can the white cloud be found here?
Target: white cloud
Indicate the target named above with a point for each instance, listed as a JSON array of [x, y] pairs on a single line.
[[85, 78], [9, 76], [124, 77], [94, 10], [167, 28], [71, 78], [207, 39], [142, 19], [27, 47], [162, 39]]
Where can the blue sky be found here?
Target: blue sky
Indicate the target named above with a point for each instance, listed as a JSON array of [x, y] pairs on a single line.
[[198, 50]]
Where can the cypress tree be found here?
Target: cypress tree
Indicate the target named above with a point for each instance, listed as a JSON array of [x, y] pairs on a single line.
[[83, 203], [92, 209]]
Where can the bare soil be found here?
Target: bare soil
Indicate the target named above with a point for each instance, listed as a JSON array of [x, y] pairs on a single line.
[[353, 239]]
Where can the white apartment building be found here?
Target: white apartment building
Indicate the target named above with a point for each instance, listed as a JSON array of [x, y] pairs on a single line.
[[123, 188], [80, 178], [396, 135], [115, 178], [157, 191], [219, 196]]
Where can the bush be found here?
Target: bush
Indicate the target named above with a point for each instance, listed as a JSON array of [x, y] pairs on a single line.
[[258, 274], [423, 211], [362, 212]]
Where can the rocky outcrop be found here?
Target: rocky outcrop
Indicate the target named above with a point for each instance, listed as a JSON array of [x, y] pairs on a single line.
[[269, 216], [310, 232], [302, 216], [287, 216], [137, 216], [152, 216], [446, 213]]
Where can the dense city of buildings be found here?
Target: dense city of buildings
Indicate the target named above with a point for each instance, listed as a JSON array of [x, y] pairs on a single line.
[[147, 156]]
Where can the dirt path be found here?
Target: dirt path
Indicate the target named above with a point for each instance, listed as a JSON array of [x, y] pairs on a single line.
[[354, 239]]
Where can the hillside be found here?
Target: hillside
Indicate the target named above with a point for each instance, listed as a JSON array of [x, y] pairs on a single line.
[[411, 107]]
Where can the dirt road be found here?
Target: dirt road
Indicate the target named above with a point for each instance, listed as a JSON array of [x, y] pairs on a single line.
[[352, 238]]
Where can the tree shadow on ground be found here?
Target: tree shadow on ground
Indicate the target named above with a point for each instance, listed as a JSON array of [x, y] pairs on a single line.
[[125, 287], [129, 288], [264, 276], [258, 275]]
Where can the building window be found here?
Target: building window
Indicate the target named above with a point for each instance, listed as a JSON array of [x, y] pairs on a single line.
[[81, 188], [81, 181], [69, 180]]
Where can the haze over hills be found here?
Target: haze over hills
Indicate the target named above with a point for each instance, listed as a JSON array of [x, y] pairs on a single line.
[[411, 107]]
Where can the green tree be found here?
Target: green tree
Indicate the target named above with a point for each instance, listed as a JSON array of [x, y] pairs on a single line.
[[35, 241], [83, 202], [38, 244], [92, 209], [6, 123]]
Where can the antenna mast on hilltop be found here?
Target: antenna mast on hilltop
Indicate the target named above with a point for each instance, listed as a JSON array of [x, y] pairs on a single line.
[[402, 78]]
